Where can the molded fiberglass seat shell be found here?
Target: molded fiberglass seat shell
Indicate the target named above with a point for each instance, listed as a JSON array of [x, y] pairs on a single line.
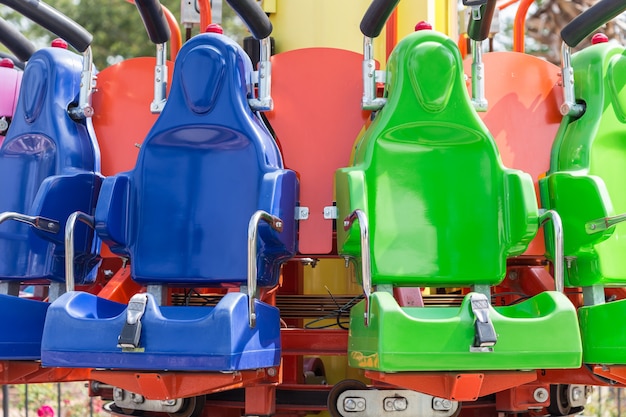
[[182, 215], [443, 212], [48, 167], [586, 184]]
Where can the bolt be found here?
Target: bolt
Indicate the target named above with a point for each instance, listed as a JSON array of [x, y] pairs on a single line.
[[271, 371], [168, 402], [576, 393], [447, 404], [349, 404], [540, 395], [50, 225], [136, 398], [513, 275], [400, 404], [388, 405], [118, 394]]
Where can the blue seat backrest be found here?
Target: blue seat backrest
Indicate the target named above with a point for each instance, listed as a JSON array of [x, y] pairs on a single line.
[[205, 167], [47, 164]]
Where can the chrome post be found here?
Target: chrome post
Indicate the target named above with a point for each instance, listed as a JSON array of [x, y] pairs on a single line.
[[369, 101], [69, 245], [478, 77], [557, 226], [264, 101], [569, 106], [366, 271], [160, 79], [276, 224], [84, 108]]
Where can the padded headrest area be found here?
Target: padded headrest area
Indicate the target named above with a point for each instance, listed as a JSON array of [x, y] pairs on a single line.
[[42, 142], [437, 190], [199, 172]]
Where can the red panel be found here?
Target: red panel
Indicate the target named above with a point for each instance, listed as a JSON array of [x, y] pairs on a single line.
[[317, 116], [523, 114], [122, 116]]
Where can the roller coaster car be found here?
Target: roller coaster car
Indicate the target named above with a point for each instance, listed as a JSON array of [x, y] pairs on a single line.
[[585, 185], [48, 170], [438, 209], [207, 177], [9, 89]]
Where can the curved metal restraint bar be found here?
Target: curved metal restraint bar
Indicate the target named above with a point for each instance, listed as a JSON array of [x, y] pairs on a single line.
[[253, 225], [366, 271]]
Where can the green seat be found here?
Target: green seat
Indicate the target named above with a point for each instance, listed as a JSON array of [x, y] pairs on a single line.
[[585, 185], [442, 211]]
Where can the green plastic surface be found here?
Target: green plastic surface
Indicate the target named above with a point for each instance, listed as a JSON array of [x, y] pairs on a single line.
[[538, 333], [442, 211], [588, 170]]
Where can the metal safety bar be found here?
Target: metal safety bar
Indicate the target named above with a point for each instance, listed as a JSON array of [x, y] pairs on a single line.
[[160, 79], [366, 271], [569, 106], [38, 222], [557, 226], [69, 245], [600, 225], [253, 225]]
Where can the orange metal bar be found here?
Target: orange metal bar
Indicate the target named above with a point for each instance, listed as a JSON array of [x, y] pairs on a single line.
[[391, 33], [205, 14], [31, 372], [314, 342], [120, 287], [170, 385], [260, 400], [176, 38], [582, 376], [519, 25], [613, 372], [506, 4], [455, 386]]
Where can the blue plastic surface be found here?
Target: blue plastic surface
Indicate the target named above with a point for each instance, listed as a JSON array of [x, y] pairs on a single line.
[[175, 338], [206, 166], [182, 215], [21, 327], [47, 167]]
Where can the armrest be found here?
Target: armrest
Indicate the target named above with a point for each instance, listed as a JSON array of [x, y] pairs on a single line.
[[578, 199], [61, 195], [522, 222], [111, 213], [279, 196], [350, 194]]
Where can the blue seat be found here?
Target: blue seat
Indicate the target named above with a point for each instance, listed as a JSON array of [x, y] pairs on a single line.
[[182, 216], [48, 169]]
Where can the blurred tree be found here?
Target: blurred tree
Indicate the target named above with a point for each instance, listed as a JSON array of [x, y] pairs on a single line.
[[117, 29], [545, 23]]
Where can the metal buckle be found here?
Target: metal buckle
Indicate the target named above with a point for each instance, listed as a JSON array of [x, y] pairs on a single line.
[[131, 332], [485, 336]]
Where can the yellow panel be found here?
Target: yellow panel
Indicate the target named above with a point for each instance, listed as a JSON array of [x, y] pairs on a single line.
[[318, 23]]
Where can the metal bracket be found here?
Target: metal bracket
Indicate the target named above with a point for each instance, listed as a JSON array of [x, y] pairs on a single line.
[[131, 401], [131, 332], [330, 212], [302, 213], [376, 403], [485, 336]]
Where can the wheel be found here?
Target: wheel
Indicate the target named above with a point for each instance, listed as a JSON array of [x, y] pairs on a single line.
[[337, 390], [559, 401], [192, 407]]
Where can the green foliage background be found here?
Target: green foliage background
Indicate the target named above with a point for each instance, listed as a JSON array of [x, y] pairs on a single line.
[[117, 29]]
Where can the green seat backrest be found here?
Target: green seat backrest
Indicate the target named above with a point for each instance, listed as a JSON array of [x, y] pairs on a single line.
[[587, 175], [442, 209]]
